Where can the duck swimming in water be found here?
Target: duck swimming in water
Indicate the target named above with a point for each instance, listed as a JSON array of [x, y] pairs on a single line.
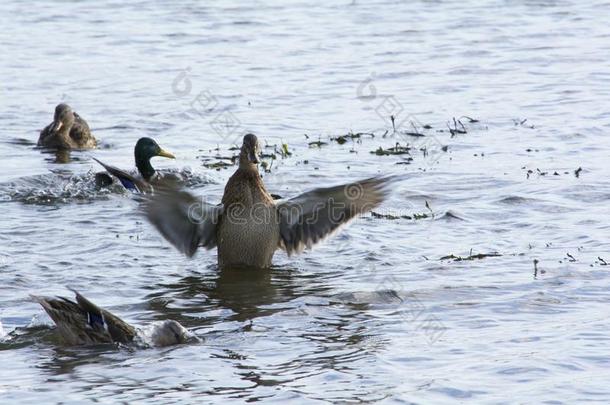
[[145, 149], [84, 323], [67, 131], [248, 226]]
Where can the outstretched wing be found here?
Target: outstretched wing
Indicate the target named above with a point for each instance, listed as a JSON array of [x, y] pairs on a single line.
[[310, 217], [127, 180], [185, 221]]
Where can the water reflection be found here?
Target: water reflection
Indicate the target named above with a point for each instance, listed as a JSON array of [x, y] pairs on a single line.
[[57, 155], [248, 293], [305, 346], [62, 156], [66, 360]]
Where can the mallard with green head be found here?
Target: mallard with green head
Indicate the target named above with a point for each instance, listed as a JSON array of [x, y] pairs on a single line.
[[248, 226], [145, 149], [81, 322], [67, 131]]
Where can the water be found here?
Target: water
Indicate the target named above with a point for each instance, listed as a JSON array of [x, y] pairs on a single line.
[[373, 313]]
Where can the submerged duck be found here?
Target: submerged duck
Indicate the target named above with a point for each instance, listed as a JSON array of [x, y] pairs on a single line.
[[145, 149], [84, 323], [249, 226], [67, 131]]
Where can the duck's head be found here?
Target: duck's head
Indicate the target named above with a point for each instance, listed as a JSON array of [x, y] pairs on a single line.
[[147, 148], [63, 118], [169, 332], [250, 151]]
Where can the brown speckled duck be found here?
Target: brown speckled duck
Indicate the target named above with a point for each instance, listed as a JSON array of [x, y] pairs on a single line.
[[84, 323], [67, 131], [249, 226]]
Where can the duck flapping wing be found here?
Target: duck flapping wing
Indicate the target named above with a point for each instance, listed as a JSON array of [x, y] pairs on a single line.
[[185, 221], [310, 217]]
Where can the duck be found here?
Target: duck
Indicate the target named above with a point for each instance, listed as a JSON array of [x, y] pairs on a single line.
[[81, 322], [145, 149], [249, 226], [67, 131]]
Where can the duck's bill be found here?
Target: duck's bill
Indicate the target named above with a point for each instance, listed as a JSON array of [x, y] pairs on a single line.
[[166, 154], [253, 157], [56, 126]]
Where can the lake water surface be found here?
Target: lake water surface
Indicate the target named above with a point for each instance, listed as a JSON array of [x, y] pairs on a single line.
[[435, 299]]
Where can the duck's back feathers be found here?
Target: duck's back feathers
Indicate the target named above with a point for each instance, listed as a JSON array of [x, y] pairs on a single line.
[[119, 330], [81, 134], [82, 322], [45, 133], [310, 217]]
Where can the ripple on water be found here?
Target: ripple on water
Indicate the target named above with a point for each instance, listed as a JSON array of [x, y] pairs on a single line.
[[64, 187]]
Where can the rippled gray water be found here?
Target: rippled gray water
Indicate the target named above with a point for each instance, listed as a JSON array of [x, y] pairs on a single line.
[[381, 311]]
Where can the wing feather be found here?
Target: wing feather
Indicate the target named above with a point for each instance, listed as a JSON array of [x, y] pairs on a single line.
[[184, 220], [127, 180], [310, 217]]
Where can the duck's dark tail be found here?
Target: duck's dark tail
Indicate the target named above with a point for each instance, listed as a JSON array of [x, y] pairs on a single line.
[[126, 179], [83, 322]]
